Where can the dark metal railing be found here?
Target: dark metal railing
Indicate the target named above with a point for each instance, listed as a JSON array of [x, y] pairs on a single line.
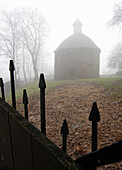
[[106, 155], [12, 69], [25, 102], [42, 86]]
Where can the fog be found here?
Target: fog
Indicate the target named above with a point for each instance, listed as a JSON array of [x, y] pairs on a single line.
[[58, 17]]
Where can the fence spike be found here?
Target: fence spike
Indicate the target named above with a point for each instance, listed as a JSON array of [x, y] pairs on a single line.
[[42, 83], [94, 114], [64, 132], [42, 86], [94, 117], [25, 102], [64, 129], [2, 88], [25, 98], [12, 68], [1, 82]]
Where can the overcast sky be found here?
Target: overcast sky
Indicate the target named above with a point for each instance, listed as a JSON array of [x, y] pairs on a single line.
[[60, 15]]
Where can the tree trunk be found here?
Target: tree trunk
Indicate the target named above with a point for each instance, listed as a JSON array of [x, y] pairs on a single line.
[[18, 74], [36, 73], [24, 73]]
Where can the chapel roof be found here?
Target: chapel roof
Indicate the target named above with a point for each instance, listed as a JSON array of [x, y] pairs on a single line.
[[78, 39]]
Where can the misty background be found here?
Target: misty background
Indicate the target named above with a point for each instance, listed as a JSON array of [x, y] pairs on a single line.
[[30, 31]]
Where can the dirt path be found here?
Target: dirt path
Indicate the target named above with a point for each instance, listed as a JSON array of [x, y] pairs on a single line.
[[73, 102]]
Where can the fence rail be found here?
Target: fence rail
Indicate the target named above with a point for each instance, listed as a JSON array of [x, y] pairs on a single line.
[[104, 156], [96, 158]]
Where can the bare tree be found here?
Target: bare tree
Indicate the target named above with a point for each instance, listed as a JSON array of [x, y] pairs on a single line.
[[115, 58], [22, 35], [117, 15], [33, 31], [9, 37]]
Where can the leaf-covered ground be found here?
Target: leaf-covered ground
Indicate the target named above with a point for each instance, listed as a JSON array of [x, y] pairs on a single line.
[[73, 102]]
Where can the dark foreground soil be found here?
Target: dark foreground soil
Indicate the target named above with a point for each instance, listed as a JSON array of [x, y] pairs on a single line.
[[73, 102]]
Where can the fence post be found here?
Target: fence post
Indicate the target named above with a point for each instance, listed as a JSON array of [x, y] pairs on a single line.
[[25, 102], [65, 133], [94, 117], [11, 68], [42, 86], [2, 88]]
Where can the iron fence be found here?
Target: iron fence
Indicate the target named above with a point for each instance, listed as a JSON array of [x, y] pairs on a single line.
[[96, 158]]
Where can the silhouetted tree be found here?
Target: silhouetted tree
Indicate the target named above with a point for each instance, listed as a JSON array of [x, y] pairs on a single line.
[[115, 58], [33, 33], [117, 15], [22, 35], [9, 37]]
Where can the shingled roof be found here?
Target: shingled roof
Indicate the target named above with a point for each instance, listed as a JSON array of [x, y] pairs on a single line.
[[78, 40]]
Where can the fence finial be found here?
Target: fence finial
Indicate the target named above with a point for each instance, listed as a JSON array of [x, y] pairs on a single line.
[[2, 88], [25, 102], [25, 98], [64, 129], [1, 82], [94, 114], [94, 117], [11, 66], [42, 83], [64, 132], [42, 86]]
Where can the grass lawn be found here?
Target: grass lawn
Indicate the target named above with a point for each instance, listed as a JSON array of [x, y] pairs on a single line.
[[33, 89], [112, 84]]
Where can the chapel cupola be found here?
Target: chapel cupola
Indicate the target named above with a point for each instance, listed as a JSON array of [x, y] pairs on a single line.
[[77, 26]]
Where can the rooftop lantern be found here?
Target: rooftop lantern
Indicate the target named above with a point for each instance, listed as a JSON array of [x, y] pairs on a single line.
[[77, 26]]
